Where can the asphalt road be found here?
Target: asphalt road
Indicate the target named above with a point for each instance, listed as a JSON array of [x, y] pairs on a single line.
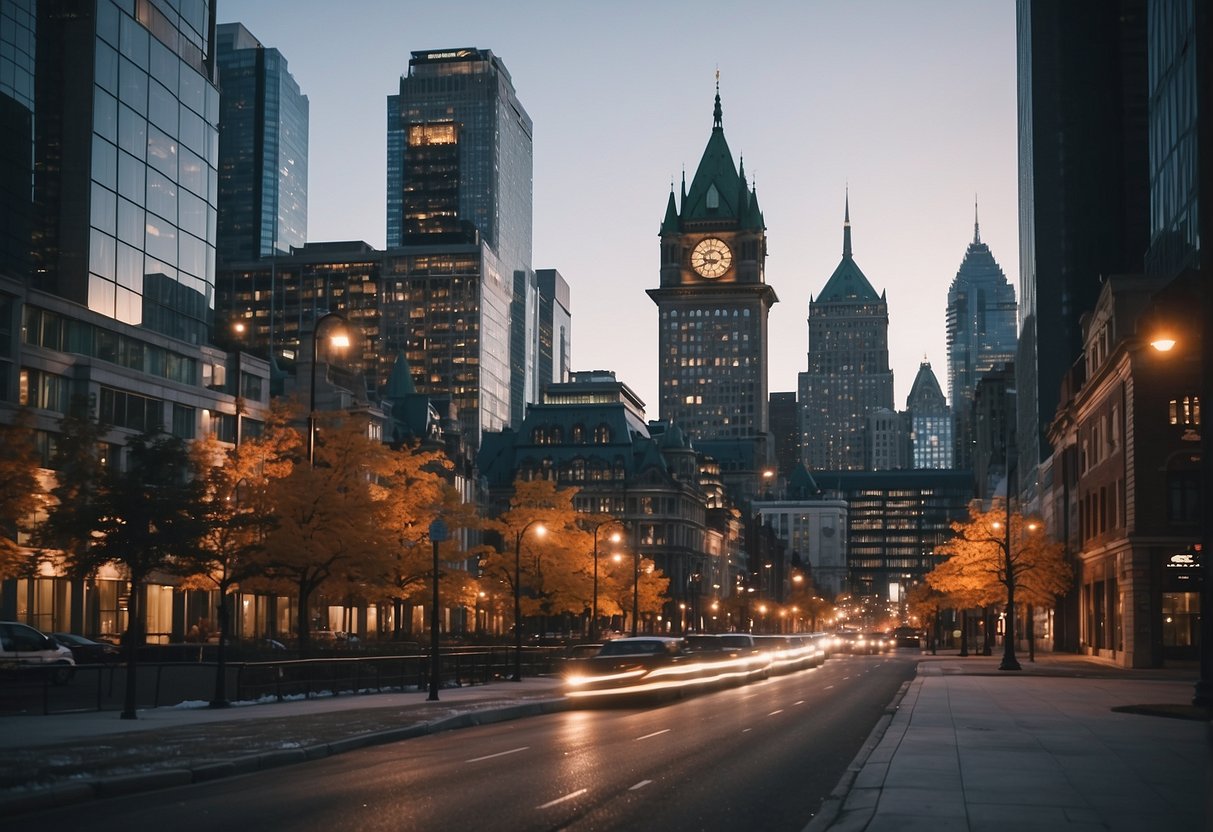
[[763, 756]]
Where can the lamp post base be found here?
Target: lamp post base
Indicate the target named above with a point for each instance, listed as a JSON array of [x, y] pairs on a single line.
[[1009, 663]]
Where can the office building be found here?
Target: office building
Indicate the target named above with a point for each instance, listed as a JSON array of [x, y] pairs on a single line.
[[263, 143], [713, 304], [555, 329], [1084, 192], [785, 431], [459, 172], [930, 418], [981, 320], [848, 373]]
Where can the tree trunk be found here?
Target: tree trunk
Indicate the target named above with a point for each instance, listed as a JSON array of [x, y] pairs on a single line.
[[302, 619], [134, 613], [964, 633]]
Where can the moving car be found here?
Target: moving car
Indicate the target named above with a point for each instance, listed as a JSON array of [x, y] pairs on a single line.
[[22, 648], [637, 665]]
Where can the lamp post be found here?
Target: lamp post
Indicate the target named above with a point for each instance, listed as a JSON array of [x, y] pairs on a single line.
[[635, 590], [517, 677], [438, 533], [339, 340], [594, 607], [1009, 662]]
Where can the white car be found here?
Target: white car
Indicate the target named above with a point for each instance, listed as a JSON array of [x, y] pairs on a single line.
[[23, 647]]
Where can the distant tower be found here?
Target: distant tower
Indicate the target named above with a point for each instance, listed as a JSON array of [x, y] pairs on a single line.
[[263, 144], [459, 174], [930, 422], [848, 372], [981, 334], [713, 305]]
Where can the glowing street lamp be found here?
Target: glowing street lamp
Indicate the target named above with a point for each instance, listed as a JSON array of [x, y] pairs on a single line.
[[338, 340], [539, 530], [615, 538]]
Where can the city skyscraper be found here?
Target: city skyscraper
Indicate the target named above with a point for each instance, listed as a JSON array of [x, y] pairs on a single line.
[[848, 372], [930, 422], [126, 199], [263, 143], [1084, 191], [17, 37], [555, 329], [713, 304], [459, 172], [981, 334]]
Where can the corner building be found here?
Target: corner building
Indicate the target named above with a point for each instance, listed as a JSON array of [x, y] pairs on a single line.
[[713, 305]]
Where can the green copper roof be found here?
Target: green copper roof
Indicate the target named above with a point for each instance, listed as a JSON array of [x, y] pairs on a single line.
[[925, 391], [670, 224], [848, 282], [400, 381]]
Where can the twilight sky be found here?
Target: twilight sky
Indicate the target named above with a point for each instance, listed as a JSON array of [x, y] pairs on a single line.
[[911, 103]]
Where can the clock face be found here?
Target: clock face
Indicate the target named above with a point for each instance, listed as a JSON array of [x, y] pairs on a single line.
[[711, 258]]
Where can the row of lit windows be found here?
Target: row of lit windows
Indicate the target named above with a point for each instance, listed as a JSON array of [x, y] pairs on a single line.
[[578, 435]]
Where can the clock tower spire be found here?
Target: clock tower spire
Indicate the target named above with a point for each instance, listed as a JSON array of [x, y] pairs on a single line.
[[713, 303]]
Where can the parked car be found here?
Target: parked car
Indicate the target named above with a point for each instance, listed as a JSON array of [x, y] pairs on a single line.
[[86, 651], [23, 648]]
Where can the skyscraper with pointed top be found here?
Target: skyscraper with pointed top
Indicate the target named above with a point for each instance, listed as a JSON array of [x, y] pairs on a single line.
[[981, 333], [713, 305], [848, 373], [931, 444]]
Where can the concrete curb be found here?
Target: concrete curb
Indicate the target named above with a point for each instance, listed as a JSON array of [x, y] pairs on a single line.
[[64, 794], [831, 807]]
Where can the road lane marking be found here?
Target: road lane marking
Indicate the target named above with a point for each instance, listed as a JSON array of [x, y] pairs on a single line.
[[568, 796], [498, 754], [654, 734], [639, 785], [772, 713], [829, 686], [798, 702], [746, 730]]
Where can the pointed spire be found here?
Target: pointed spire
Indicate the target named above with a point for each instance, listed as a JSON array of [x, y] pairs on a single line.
[[670, 223], [976, 225], [684, 187], [716, 113], [846, 226]]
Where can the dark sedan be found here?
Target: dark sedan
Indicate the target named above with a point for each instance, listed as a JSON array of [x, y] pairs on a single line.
[[86, 651]]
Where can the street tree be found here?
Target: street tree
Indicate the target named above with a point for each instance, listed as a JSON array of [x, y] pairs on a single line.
[[150, 516], [327, 521], [79, 460], [630, 582], [20, 492], [987, 561]]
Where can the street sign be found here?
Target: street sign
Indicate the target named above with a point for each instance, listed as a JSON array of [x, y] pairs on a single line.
[[439, 531]]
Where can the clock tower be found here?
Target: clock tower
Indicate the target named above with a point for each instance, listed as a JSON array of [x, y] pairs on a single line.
[[713, 305]]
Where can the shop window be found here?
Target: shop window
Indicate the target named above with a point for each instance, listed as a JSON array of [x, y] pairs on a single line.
[[1180, 619]]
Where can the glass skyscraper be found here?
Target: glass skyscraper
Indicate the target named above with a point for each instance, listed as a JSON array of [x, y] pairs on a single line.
[[459, 175], [930, 422], [263, 144], [126, 198]]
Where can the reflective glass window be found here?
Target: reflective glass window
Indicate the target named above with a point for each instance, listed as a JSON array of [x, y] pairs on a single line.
[[130, 267], [107, 21], [192, 212], [192, 130], [101, 252], [192, 172], [105, 163], [133, 86], [153, 266], [132, 132], [161, 240], [133, 41], [101, 295], [193, 91], [162, 152], [161, 195], [104, 209], [128, 306], [163, 65], [162, 108], [106, 67], [192, 255], [105, 114], [130, 223], [131, 178]]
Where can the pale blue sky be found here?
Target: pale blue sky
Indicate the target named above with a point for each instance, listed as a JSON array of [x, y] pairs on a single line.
[[910, 101]]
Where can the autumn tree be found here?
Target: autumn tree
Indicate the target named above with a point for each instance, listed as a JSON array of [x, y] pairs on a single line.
[[20, 492], [79, 462], [629, 583], [987, 563], [150, 514], [327, 520], [237, 518]]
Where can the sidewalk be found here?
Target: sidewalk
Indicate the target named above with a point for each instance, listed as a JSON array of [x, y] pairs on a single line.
[[969, 747]]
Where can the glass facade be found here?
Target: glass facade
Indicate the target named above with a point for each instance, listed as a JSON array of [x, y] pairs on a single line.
[[263, 150], [459, 170], [17, 55], [151, 151]]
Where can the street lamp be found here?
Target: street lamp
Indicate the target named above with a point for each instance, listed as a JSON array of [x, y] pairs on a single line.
[[539, 530], [340, 339], [615, 538], [635, 590]]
